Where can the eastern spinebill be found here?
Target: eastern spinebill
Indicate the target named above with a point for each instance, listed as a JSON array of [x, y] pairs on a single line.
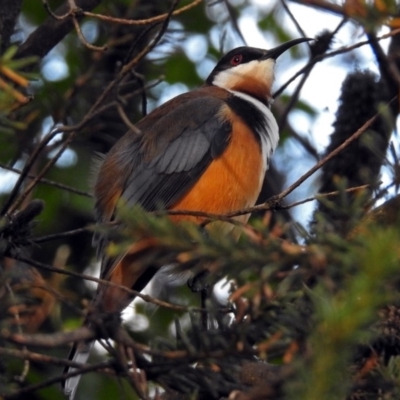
[[205, 150]]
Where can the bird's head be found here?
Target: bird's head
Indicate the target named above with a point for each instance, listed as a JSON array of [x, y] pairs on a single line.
[[249, 70]]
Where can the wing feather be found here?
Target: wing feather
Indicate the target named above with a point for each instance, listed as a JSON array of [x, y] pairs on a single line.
[[180, 158], [156, 168]]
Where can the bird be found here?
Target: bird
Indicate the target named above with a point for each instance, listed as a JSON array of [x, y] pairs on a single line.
[[205, 150]]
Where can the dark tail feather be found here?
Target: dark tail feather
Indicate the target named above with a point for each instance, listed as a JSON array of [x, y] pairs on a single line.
[[80, 354], [130, 270]]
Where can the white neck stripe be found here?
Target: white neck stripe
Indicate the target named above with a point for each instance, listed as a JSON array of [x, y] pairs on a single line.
[[260, 106], [269, 136]]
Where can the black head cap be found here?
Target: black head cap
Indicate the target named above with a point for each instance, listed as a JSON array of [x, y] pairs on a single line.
[[245, 54]]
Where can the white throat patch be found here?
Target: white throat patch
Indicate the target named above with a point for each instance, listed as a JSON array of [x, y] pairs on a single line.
[[260, 72]]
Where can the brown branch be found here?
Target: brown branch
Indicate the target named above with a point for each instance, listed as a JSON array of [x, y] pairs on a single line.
[[389, 70], [122, 338], [38, 357], [11, 204], [234, 20], [56, 379], [83, 39], [83, 333], [48, 181], [28, 166], [97, 110], [9, 207], [334, 53], [311, 64], [127, 67], [322, 195], [62, 235], [294, 20], [275, 201], [322, 5], [52, 14], [9, 11], [148, 21], [13, 207], [134, 293], [48, 341], [129, 124], [17, 320], [52, 31]]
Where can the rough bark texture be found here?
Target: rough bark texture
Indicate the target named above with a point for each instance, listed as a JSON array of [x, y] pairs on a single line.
[[9, 11], [52, 31]]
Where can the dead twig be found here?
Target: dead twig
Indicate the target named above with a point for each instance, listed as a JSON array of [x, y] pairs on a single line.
[[275, 201], [60, 378], [134, 293], [37, 357], [334, 53], [83, 39], [48, 181], [148, 21], [12, 203]]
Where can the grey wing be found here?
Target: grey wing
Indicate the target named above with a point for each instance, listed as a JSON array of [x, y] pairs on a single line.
[[183, 144], [186, 141]]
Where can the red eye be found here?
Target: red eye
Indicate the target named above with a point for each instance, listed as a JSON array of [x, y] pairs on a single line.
[[236, 60]]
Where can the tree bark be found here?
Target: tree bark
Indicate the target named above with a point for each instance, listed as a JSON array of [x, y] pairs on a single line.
[[9, 11], [52, 31]]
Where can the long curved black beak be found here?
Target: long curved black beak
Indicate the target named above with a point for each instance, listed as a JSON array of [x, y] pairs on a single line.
[[277, 51]]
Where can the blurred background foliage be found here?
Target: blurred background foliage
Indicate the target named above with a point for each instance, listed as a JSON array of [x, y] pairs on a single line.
[[324, 303]]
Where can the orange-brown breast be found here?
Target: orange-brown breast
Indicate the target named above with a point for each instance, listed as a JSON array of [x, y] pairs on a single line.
[[232, 181]]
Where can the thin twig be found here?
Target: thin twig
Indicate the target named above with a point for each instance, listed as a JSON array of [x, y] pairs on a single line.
[[129, 124], [389, 70], [134, 293], [126, 68], [49, 340], [28, 166], [323, 5], [294, 20], [48, 181], [10, 205], [234, 20], [73, 11], [52, 14], [17, 319], [95, 112], [329, 55], [37, 357], [60, 378], [83, 39], [322, 195], [62, 235], [275, 201], [158, 18], [141, 81], [334, 153], [45, 169]]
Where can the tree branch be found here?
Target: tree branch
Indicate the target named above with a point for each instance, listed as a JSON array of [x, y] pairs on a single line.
[[9, 11], [52, 31]]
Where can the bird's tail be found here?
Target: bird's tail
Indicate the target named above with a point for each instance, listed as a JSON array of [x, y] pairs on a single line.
[[130, 270], [79, 354]]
